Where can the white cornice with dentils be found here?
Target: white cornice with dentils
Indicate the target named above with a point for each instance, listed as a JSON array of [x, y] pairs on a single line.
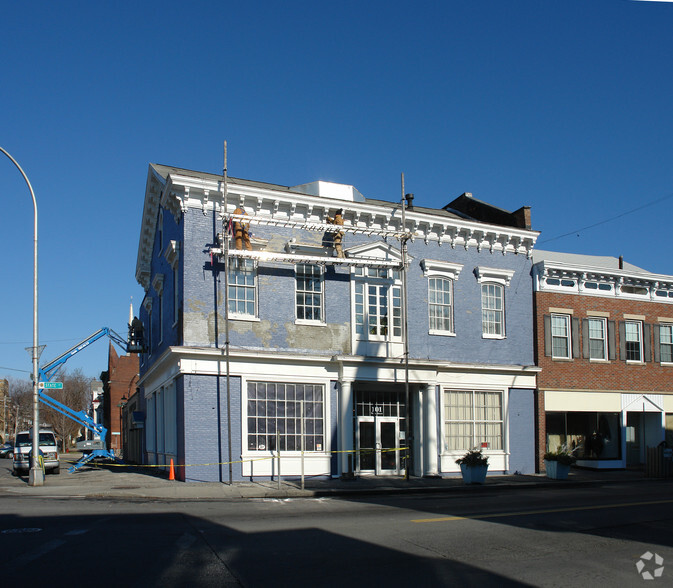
[[617, 278], [179, 193]]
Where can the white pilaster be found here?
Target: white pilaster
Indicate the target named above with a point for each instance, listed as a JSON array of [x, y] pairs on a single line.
[[431, 437], [345, 433]]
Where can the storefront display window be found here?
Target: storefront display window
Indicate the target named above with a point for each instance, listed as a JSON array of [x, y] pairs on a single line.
[[590, 435]]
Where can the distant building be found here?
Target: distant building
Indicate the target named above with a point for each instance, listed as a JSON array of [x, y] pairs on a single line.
[[119, 383], [604, 343], [315, 332]]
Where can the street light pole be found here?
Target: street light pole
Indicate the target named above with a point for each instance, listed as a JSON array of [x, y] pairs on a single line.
[[36, 475]]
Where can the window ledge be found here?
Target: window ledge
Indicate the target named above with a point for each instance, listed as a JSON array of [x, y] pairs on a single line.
[[244, 317], [485, 336], [667, 364], [598, 360], [562, 359], [443, 333], [632, 362], [310, 323]]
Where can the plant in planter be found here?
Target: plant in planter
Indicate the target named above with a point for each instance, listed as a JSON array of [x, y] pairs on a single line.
[[557, 463], [473, 466]]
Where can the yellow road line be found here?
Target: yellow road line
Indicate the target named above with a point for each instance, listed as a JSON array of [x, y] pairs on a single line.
[[539, 511]]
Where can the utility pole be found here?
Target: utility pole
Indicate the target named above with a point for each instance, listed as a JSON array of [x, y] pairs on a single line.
[[407, 420], [225, 246]]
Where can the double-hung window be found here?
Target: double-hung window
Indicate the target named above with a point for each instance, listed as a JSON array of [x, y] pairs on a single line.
[[493, 310], [440, 304], [243, 288], [377, 304], [560, 336], [493, 282], [634, 340], [309, 293], [442, 276], [473, 419], [666, 343], [597, 338]]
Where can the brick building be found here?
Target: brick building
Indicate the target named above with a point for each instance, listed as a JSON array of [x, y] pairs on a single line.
[[604, 343], [325, 335], [119, 384]]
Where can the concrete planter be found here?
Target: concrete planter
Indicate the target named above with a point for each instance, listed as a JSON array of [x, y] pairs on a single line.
[[556, 470], [473, 474]]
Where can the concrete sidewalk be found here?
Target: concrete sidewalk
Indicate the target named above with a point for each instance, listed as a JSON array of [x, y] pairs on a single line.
[[135, 483]]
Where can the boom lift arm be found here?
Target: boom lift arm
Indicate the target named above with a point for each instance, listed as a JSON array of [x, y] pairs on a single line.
[[48, 371]]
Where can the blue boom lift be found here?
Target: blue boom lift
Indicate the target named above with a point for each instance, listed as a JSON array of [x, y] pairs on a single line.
[[134, 344]]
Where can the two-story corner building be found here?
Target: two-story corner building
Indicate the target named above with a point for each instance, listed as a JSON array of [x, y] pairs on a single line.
[[604, 343], [289, 344]]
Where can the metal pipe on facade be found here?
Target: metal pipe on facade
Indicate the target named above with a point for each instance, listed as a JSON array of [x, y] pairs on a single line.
[[36, 475]]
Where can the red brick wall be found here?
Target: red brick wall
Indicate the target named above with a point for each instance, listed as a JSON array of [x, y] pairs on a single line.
[[120, 380], [581, 374]]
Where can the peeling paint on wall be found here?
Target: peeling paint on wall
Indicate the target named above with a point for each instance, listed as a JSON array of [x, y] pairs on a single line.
[[330, 337]]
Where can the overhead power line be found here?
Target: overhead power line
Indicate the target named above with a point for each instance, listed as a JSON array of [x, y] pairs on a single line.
[[608, 220]]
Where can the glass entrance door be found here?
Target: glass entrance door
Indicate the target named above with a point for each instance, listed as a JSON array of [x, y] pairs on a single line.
[[378, 445]]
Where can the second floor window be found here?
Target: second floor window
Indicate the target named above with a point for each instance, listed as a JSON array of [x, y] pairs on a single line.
[[560, 336], [242, 288], [440, 305], [634, 340], [493, 310], [377, 305], [666, 343], [597, 339], [309, 293]]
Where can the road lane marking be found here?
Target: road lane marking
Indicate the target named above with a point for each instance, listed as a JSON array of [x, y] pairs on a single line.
[[497, 515], [37, 553]]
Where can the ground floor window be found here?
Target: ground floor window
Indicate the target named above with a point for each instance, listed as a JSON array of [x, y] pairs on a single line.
[[473, 419], [274, 412], [590, 435]]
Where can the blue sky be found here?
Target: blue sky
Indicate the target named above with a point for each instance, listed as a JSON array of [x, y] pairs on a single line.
[[562, 105]]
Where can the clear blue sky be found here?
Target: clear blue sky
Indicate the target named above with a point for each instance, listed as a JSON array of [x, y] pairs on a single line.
[[563, 105]]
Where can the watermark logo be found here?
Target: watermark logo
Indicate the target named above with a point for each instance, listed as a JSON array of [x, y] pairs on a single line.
[[649, 569]]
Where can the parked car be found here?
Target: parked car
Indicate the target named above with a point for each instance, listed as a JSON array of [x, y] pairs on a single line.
[[6, 450], [47, 445]]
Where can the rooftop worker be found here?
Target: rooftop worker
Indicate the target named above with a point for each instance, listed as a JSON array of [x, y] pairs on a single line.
[[332, 239], [241, 234]]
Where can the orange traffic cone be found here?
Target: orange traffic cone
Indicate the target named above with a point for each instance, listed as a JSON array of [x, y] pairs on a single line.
[[171, 472]]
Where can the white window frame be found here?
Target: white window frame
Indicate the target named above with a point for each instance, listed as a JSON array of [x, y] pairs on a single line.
[[443, 270], [663, 328], [233, 270], [385, 282], [490, 276], [603, 339], [472, 422], [304, 293], [446, 288], [639, 332], [498, 322], [557, 334], [324, 417]]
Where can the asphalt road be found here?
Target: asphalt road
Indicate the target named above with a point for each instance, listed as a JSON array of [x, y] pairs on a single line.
[[534, 536]]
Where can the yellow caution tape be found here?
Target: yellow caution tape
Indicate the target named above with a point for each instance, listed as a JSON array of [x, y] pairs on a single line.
[[189, 465]]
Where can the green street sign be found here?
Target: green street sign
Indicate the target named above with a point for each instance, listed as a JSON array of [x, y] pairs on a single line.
[[51, 385]]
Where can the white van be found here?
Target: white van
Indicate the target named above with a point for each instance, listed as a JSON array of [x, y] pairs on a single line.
[[23, 445]]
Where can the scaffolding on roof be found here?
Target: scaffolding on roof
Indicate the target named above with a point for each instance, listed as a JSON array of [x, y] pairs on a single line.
[[294, 258], [317, 227]]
